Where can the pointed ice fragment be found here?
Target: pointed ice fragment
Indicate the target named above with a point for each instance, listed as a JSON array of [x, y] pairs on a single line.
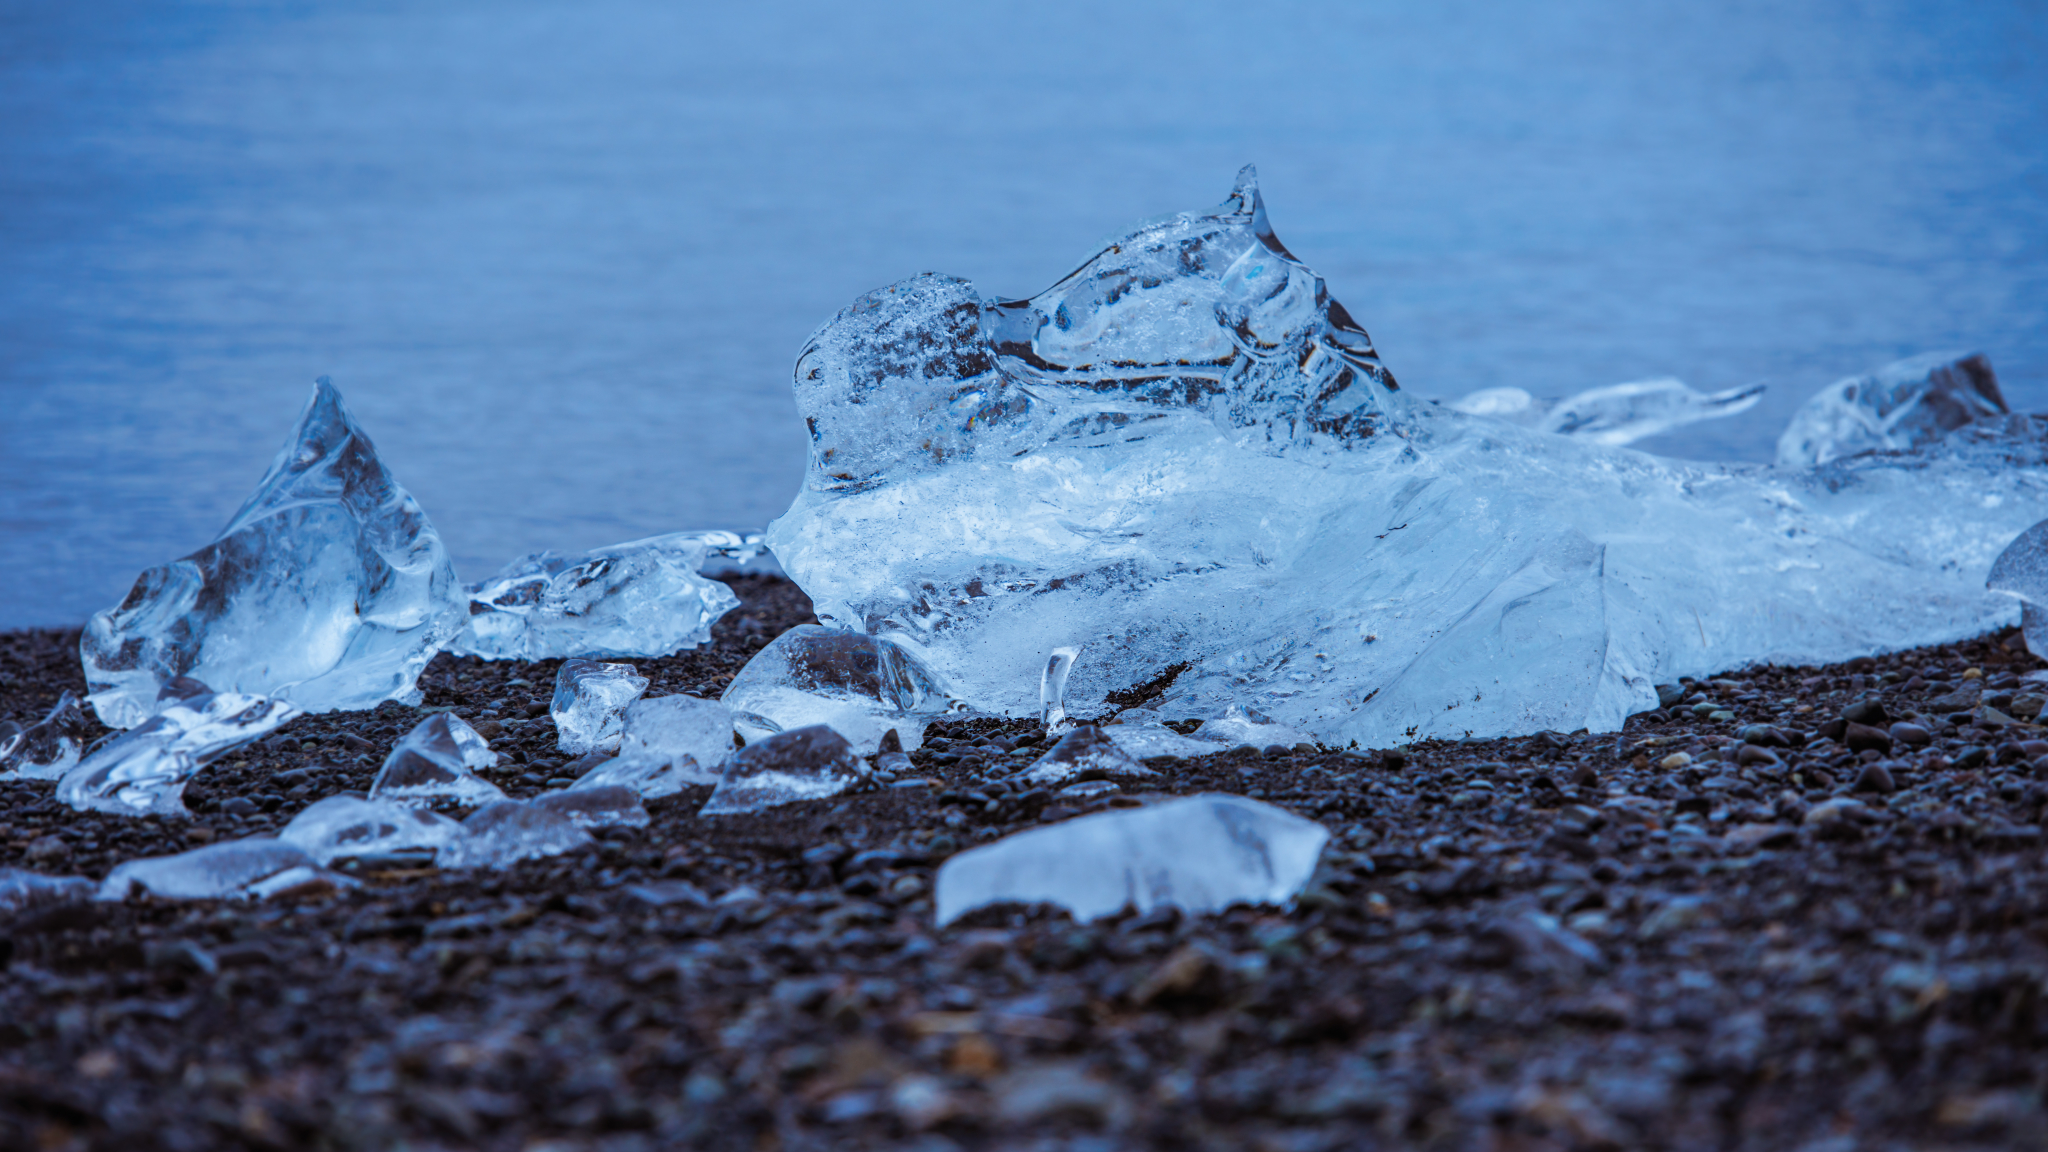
[[143, 771], [21, 890], [860, 685], [342, 826], [1052, 691], [46, 749], [597, 807], [249, 869], [590, 702], [329, 588], [641, 598], [1198, 854], [1907, 404], [502, 834], [2021, 571], [1084, 753], [1616, 414], [1235, 729], [801, 764], [436, 763]]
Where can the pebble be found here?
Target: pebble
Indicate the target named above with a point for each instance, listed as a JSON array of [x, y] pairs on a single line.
[[1862, 738]]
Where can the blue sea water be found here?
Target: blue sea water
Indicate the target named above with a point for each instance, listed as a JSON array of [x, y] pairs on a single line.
[[560, 257]]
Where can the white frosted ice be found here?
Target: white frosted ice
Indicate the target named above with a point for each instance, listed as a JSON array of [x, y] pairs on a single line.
[[1614, 415], [810, 763], [46, 749], [1908, 404], [143, 771], [341, 826], [861, 685], [1186, 453], [501, 834], [2021, 571], [670, 743], [22, 890], [1084, 753], [253, 868], [589, 707], [329, 588], [597, 807], [640, 598], [1198, 854], [436, 763]]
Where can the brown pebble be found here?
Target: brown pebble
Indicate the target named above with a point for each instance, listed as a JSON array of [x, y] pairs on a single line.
[[1752, 754], [1875, 778], [1863, 738], [1911, 734]]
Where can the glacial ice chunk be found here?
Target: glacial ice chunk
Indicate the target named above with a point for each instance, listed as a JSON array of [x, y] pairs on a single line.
[[502, 834], [590, 702], [329, 588], [1199, 854], [809, 763], [1908, 404], [46, 749], [340, 826], [860, 685], [1186, 456], [143, 771], [21, 890], [1084, 753], [670, 742], [436, 763], [254, 868], [1614, 415], [596, 807], [2021, 571], [640, 598]]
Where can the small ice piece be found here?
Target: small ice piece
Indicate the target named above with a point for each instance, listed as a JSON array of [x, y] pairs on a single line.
[[809, 763], [596, 807], [1052, 690], [2021, 571], [436, 763], [1614, 415], [1199, 854], [590, 704], [501, 834], [1084, 753], [640, 598], [1144, 734], [46, 749], [669, 742], [143, 771], [860, 685], [340, 826], [329, 588], [1906, 404], [1236, 728], [22, 890], [252, 868]]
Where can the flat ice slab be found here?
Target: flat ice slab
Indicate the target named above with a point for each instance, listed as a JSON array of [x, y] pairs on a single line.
[[640, 598], [340, 826], [250, 869]]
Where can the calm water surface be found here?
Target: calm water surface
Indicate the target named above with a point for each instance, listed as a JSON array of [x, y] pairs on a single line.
[[560, 257]]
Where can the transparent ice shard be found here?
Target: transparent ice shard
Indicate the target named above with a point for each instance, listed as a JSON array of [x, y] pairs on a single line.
[[670, 742], [501, 834], [22, 890], [1614, 415], [46, 749], [1908, 404], [2021, 571], [340, 826], [590, 702], [329, 588], [1052, 690], [1236, 728], [249, 869], [1084, 753], [143, 771], [1199, 854], [860, 685], [1143, 733], [640, 598], [596, 807], [436, 763], [1185, 456], [809, 763]]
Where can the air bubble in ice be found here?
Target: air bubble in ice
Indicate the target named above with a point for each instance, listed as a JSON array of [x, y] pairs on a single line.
[[589, 707], [436, 763], [810, 763], [860, 685], [143, 771], [46, 749], [640, 598]]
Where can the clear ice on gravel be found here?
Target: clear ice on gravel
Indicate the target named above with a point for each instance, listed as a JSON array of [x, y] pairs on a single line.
[[502, 834], [810, 763], [1613, 415], [436, 763], [1199, 854], [340, 826], [1912, 403], [329, 588], [21, 890], [1186, 453], [640, 598], [250, 869], [46, 749], [142, 771], [2021, 572], [861, 685], [598, 807], [1084, 753], [670, 743], [1235, 729], [1143, 733], [589, 707]]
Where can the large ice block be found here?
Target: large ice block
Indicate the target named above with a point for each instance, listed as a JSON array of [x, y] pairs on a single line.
[[861, 685], [1186, 456], [46, 749], [1614, 415], [436, 763], [1199, 854], [670, 742], [502, 834], [329, 589], [810, 763], [1908, 404], [589, 707], [640, 598], [143, 771], [250, 869], [22, 890], [348, 826]]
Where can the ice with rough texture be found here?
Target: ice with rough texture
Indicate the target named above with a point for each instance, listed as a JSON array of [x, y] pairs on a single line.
[[143, 771], [329, 589], [810, 763], [436, 763], [1908, 404], [2021, 571], [1186, 454], [597, 807], [683, 737], [501, 834], [589, 707], [861, 685], [340, 826], [1052, 691], [640, 598], [1084, 753], [1143, 733], [1199, 854], [22, 890], [251, 869], [47, 749], [1613, 415], [1235, 728]]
